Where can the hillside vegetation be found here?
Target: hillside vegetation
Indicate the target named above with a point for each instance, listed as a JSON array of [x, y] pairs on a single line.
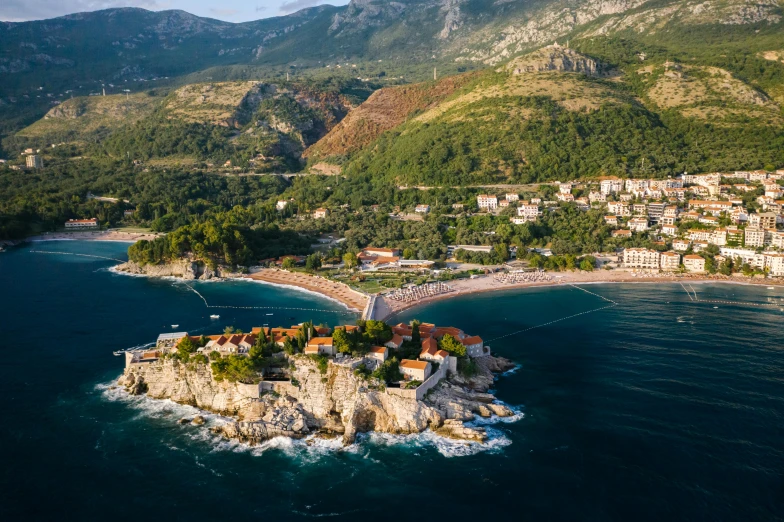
[[524, 124], [88, 119]]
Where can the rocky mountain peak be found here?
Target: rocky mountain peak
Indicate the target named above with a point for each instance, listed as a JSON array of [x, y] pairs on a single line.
[[555, 58]]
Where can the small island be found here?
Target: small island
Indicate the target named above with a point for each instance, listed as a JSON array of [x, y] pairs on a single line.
[[333, 382]]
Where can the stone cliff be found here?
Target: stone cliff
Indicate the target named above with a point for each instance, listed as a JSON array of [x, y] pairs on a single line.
[[338, 402], [183, 268]]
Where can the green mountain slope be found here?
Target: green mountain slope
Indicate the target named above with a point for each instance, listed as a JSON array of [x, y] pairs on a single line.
[[536, 119]]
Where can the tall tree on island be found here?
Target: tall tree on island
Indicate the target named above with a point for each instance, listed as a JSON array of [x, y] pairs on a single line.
[[415, 336]]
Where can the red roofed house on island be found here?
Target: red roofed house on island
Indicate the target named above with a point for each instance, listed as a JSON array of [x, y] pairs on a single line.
[[395, 343], [474, 346], [378, 353], [321, 345], [415, 370]]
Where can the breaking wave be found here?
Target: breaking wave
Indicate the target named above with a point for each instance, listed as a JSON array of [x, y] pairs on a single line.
[[312, 447]]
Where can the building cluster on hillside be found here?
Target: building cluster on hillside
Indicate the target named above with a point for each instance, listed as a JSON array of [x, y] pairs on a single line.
[[690, 212]]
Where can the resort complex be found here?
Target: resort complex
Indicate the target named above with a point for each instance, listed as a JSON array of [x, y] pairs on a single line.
[[406, 359]]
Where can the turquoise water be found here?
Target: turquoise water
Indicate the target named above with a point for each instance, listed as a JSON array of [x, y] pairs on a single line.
[[656, 408]]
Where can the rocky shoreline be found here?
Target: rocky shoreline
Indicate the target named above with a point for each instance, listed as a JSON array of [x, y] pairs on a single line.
[[183, 268], [338, 403]]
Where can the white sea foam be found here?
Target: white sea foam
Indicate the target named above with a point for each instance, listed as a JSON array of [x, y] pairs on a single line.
[[517, 414], [511, 372], [496, 441], [313, 447]]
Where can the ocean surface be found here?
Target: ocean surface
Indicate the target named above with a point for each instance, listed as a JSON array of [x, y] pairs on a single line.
[[635, 402]]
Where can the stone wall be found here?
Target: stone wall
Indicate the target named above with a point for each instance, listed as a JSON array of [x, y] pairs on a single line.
[[430, 382]]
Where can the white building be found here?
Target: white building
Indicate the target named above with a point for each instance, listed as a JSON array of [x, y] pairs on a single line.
[[754, 237], [641, 258], [528, 211], [81, 223], [415, 370], [618, 208], [775, 264], [281, 204], [670, 261], [565, 188], [422, 209], [487, 202], [694, 263], [512, 197], [638, 224], [681, 245], [320, 213], [611, 186]]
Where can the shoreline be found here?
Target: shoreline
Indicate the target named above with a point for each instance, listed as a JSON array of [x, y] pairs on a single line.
[[98, 235], [470, 287], [334, 291]]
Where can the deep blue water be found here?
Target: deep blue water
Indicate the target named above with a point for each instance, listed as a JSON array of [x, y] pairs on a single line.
[[658, 408]]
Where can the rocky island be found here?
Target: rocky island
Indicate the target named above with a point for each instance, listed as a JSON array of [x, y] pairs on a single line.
[[305, 380]]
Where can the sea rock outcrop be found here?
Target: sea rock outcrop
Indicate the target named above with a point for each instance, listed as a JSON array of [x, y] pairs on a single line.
[[339, 401], [182, 268]]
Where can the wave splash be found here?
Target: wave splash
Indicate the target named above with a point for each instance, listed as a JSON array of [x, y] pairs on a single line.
[[314, 447]]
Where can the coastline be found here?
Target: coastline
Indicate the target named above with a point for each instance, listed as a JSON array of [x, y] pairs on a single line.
[[387, 309], [100, 235], [351, 299]]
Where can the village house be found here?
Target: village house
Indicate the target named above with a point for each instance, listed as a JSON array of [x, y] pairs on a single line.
[[564, 197], [597, 197], [431, 352], [320, 213], [699, 246], [395, 343], [681, 245], [512, 197], [667, 220], [487, 202], [320, 345], [622, 233], [378, 354], [565, 188], [230, 344], [611, 220], [415, 370], [625, 197], [528, 211], [474, 346], [281, 204], [503, 203], [639, 209], [81, 223], [669, 230], [618, 209], [422, 209], [694, 263], [638, 224]]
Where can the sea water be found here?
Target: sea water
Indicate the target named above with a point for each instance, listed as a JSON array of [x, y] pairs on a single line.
[[654, 407]]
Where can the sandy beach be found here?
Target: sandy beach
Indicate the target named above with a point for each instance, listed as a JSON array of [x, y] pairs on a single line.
[[386, 308], [96, 235], [337, 291]]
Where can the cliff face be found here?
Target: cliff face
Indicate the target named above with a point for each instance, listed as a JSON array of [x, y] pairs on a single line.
[[183, 268], [337, 402]]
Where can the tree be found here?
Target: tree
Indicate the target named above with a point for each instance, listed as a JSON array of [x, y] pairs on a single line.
[[449, 344], [588, 263], [415, 335], [378, 332], [350, 260], [313, 262], [341, 341], [185, 348], [288, 263]]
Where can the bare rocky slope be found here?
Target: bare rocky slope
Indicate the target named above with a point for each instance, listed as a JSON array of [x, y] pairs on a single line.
[[337, 403]]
